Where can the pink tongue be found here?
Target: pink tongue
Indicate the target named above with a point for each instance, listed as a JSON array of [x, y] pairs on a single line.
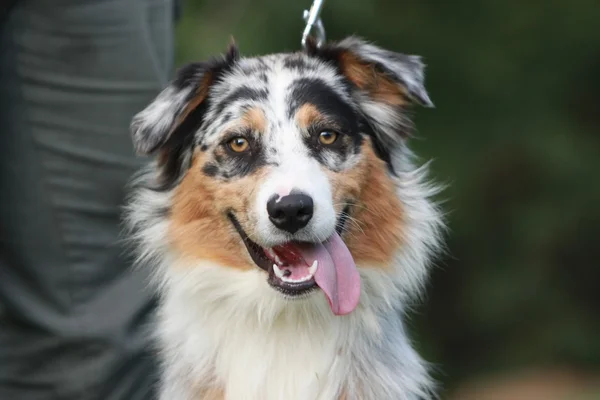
[[336, 274]]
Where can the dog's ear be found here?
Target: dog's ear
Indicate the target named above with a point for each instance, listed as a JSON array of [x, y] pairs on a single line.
[[384, 83], [152, 127]]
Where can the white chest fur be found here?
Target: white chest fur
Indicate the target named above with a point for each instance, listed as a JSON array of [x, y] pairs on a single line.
[[226, 328]]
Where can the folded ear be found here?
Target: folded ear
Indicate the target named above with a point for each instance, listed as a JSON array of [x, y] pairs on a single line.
[[152, 127], [384, 83]]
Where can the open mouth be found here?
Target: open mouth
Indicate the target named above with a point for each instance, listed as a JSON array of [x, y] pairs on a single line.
[[298, 268]]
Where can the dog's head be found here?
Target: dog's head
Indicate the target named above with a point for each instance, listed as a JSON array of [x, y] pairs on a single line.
[[285, 163]]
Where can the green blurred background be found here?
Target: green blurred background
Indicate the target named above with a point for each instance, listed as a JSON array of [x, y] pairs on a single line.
[[513, 308]]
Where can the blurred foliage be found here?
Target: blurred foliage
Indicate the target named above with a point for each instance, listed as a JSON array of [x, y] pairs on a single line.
[[516, 135]]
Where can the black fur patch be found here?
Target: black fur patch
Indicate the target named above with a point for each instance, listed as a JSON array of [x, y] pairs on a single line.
[[177, 148], [381, 150], [242, 93], [233, 54], [210, 169], [189, 75], [296, 62], [317, 92], [344, 121]]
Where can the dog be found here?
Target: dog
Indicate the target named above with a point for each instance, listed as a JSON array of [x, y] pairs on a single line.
[[288, 225]]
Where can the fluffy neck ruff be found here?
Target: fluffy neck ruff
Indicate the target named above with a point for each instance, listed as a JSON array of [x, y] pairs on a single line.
[[219, 332]]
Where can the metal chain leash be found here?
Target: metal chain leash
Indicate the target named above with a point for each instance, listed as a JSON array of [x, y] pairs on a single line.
[[313, 20]]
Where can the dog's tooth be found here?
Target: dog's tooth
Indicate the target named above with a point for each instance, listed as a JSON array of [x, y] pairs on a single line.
[[278, 272], [303, 279], [313, 268]]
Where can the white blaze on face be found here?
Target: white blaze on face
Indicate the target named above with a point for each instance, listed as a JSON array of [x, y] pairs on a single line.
[[300, 173], [294, 169]]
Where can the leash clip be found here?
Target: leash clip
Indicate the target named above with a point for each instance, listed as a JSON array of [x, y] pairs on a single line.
[[313, 20]]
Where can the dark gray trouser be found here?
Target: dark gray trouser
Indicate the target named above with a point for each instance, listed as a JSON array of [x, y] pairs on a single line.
[[72, 310]]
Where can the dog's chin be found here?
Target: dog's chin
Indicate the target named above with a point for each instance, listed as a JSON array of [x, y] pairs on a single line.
[[286, 270]]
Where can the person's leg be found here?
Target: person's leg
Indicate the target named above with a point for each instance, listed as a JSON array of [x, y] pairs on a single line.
[[72, 309]]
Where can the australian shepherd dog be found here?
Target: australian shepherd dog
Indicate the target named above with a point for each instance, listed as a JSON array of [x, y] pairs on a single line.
[[287, 225]]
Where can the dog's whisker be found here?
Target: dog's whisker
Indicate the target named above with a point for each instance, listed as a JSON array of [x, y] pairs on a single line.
[[353, 221], [362, 207]]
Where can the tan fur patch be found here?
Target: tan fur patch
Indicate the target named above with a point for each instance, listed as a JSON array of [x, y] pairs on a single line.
[[307, 115], [199, 227], [374, 231], [367, 78], [201, 94], [255, 119], [213, 394]]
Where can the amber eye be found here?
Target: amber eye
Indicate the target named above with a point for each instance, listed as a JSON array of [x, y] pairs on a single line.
[[238, 144], [327, 137]]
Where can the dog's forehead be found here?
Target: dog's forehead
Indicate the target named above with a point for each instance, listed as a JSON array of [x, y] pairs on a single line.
[[274, 66], [277, 83]]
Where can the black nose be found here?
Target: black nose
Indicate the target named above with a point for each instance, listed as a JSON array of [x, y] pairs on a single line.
[[291, 212]]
